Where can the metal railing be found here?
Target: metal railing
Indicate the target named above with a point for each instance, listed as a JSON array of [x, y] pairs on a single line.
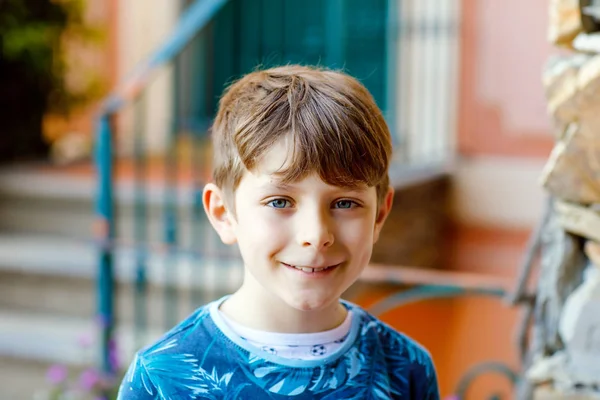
[[427, 80], [194, 18]]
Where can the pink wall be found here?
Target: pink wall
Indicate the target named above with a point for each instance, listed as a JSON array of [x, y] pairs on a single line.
[[502, 105]]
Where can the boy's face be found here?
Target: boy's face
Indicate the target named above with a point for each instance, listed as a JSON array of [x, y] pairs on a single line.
[[305, 242]]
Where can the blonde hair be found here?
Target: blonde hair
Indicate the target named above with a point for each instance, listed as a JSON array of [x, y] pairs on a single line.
[[331, 120]]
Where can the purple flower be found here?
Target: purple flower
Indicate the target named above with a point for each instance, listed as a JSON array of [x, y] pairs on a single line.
[[452, 397], [57, 374], [89, 379]]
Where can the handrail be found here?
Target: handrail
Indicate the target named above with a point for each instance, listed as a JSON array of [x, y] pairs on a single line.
[[411, 275], [194, 18]]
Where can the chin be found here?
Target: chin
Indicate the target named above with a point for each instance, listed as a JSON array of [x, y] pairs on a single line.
[[311, 302]]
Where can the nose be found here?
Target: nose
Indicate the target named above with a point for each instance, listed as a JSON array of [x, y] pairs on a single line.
[[314, 230]]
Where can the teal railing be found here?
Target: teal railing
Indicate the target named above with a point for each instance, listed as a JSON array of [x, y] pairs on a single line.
[[198, 15]]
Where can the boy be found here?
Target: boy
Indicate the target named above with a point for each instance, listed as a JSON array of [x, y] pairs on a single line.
[[301, 185]]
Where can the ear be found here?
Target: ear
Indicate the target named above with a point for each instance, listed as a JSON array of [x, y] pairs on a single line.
[[217, 213], [384, 210]]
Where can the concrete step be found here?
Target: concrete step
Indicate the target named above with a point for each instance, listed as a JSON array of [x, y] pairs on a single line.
[[48, 273], [31, 343], [22, 379], [35, 201], [57, 275]]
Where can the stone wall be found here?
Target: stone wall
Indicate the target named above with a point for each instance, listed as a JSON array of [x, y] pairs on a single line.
[[563, 361]]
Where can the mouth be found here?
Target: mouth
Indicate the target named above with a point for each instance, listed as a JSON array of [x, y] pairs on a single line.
[[311, 270]]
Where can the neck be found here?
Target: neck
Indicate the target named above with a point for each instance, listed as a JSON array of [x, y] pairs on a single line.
[[262, 310]]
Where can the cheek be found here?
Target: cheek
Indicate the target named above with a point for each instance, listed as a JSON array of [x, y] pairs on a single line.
[[357, 237], [259, 227], [356, 230]]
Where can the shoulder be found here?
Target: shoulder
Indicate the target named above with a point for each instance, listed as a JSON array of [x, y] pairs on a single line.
[[170, 363], [177, 338], [409, 364], [400, 350]]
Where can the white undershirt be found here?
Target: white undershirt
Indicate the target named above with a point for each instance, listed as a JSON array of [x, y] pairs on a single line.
[[302, 346]]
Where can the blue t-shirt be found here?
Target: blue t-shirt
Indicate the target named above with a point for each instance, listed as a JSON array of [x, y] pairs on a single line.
[[201, 358]]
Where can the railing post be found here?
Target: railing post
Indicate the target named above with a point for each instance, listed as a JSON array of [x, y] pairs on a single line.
[[140, 224], [105, 234], [171, 226]]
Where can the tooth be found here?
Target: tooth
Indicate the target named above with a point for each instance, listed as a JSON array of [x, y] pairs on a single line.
[[309, 269]]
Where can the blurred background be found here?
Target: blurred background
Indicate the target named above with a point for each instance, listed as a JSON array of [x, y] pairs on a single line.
[[105, 107]]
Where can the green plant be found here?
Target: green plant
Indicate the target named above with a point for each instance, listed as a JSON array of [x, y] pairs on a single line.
[[37, 36], [42, 46]]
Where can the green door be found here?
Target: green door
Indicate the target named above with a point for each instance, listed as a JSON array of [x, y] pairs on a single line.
[[246, 34]]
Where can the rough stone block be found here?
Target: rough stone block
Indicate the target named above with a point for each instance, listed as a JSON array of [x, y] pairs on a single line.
[[560, 80], [587, 43], [579, 220], [548, 393], [572, 172], [565, 21]]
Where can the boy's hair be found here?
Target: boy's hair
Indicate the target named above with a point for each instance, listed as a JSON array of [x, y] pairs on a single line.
[[330, 119]]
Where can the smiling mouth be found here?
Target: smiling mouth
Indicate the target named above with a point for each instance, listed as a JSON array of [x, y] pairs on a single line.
[[311, 269]]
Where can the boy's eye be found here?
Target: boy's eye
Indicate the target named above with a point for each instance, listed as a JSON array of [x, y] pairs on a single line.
[[278, 203], [344, 204]]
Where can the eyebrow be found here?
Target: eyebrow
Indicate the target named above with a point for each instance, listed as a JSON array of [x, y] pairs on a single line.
[[289, 187], [277, 185]]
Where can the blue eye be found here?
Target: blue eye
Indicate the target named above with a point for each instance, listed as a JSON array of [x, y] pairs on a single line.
[[278, 203], [344, 204]]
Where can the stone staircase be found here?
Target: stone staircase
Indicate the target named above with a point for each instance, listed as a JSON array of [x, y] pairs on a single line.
[[48, 269]]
